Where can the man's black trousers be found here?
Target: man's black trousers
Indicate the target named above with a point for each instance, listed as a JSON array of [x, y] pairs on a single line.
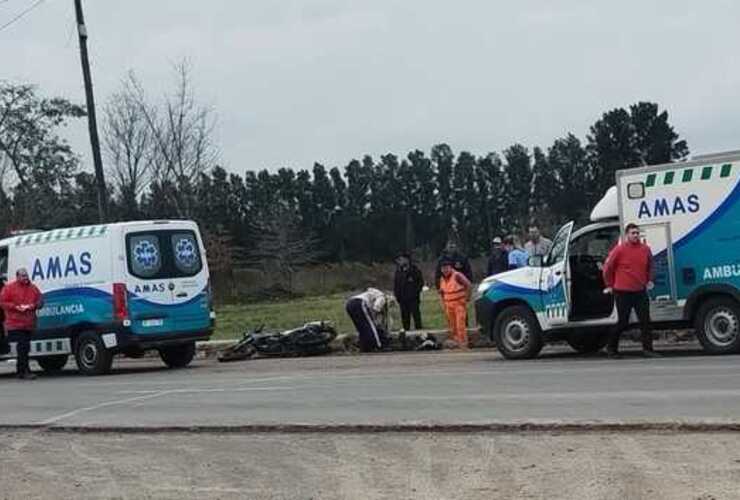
[[22, 347], [368, 333], [409, 309], [626, 302]]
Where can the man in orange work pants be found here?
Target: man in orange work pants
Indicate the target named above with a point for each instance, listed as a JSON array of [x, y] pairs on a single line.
[[454, 288]]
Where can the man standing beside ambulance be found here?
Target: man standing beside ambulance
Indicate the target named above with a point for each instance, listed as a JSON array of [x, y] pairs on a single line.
[[628, 273], [20, 299]]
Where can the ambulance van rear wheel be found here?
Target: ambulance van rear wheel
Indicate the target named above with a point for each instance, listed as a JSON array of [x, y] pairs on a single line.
[[517, 333], [718, 326], [178, 356], [52, 364], [91, 355]]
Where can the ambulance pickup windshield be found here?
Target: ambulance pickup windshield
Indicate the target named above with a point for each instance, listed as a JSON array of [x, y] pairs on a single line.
[[163, 254]]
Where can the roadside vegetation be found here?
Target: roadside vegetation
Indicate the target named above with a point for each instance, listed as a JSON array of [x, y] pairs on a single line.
[[233, 320]]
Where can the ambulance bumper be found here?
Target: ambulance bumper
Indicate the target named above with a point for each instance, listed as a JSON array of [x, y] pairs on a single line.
[[484, 315], [128, 341]]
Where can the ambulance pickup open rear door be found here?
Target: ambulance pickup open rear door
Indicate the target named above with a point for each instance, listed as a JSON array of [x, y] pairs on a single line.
[[663, 306]]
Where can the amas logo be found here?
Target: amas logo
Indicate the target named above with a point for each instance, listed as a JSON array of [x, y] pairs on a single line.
[[149, 288], [57, 267], [664, 207]]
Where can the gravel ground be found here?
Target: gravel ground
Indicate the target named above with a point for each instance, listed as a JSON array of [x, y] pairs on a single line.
[[701, 466]]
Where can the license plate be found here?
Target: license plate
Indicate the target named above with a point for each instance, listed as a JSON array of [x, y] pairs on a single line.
[[152, 322]]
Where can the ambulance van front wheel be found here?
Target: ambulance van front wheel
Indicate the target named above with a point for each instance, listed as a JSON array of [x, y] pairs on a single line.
[[91, 354], [178, 356], [517, 333], [718, 326]]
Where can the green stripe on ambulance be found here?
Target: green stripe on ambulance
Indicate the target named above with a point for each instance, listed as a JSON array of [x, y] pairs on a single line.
[[687, 175]]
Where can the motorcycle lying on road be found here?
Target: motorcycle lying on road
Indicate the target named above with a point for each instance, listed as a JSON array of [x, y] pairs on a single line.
[[309, 340]]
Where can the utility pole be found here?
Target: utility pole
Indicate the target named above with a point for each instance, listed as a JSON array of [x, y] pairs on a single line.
[[91, 120]]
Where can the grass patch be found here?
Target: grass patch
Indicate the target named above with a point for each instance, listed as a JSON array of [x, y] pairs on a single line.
[[233, 320]]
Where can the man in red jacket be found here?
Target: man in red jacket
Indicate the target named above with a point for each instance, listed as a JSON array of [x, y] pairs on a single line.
[[628, 273], [20, 299]]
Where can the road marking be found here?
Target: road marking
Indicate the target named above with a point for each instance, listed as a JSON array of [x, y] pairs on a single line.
[[145, 397], [221, 389], [106, 404]]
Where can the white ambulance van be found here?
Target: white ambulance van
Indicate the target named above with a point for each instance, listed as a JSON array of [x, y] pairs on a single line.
[[689, 214], [121, 288]]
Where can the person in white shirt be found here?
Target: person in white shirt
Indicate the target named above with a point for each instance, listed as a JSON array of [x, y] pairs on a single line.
[[537, 244], [368, 311]]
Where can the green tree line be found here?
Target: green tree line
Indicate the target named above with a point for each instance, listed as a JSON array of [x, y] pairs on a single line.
[[367, 210]]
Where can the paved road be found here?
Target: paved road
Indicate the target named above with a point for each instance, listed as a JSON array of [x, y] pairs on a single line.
[[476, 387], [409, 466]]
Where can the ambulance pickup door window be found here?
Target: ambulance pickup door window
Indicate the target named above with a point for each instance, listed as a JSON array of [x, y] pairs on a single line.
[[554, 280]]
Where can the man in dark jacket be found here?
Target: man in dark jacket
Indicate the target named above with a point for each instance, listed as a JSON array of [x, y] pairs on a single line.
[[498, 262], [460, 262], [407, 286]]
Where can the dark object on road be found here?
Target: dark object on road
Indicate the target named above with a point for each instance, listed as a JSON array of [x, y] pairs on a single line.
[[420, 342], [310, 339]]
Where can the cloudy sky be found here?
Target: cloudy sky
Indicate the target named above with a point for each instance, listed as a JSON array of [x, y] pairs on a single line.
[[295, 82]]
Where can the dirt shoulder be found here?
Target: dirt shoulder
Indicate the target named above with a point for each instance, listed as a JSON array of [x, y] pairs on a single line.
[[697, 466]]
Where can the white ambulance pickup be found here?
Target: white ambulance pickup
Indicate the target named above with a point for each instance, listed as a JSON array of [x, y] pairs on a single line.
[[689, 214], [109, 289]]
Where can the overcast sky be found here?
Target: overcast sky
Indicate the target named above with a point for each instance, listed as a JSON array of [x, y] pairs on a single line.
[[295, 82]]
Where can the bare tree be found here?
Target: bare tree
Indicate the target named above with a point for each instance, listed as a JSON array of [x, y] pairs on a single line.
[[182, 132], [128, 144], [282, 246]]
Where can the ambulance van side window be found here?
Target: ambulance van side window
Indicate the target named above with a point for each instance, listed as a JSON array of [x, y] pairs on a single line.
[[163, 254], [185, 248], [145, 255]]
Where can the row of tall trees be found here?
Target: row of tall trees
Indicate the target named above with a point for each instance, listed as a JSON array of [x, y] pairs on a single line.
[[162, 161]]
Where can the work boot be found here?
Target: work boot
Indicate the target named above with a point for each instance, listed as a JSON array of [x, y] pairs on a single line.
[[27, 376]]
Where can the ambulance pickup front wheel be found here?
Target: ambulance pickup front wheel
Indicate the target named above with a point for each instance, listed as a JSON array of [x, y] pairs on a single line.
[[178, 356], [517, 333], [91, 355], [718, 326]]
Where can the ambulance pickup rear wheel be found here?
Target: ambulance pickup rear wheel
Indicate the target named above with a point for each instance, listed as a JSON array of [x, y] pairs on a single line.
[[52, 364], [91, 355], [517, 333], [718, 326], [586, 343], [178, 356]]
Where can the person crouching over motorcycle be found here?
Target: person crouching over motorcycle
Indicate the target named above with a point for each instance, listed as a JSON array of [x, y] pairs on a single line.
[[368, 311], [454, 289]]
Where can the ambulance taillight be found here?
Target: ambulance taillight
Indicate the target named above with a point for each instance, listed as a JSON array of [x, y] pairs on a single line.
[[120, 302]]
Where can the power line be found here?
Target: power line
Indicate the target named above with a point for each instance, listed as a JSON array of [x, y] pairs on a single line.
[[21, 14]]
